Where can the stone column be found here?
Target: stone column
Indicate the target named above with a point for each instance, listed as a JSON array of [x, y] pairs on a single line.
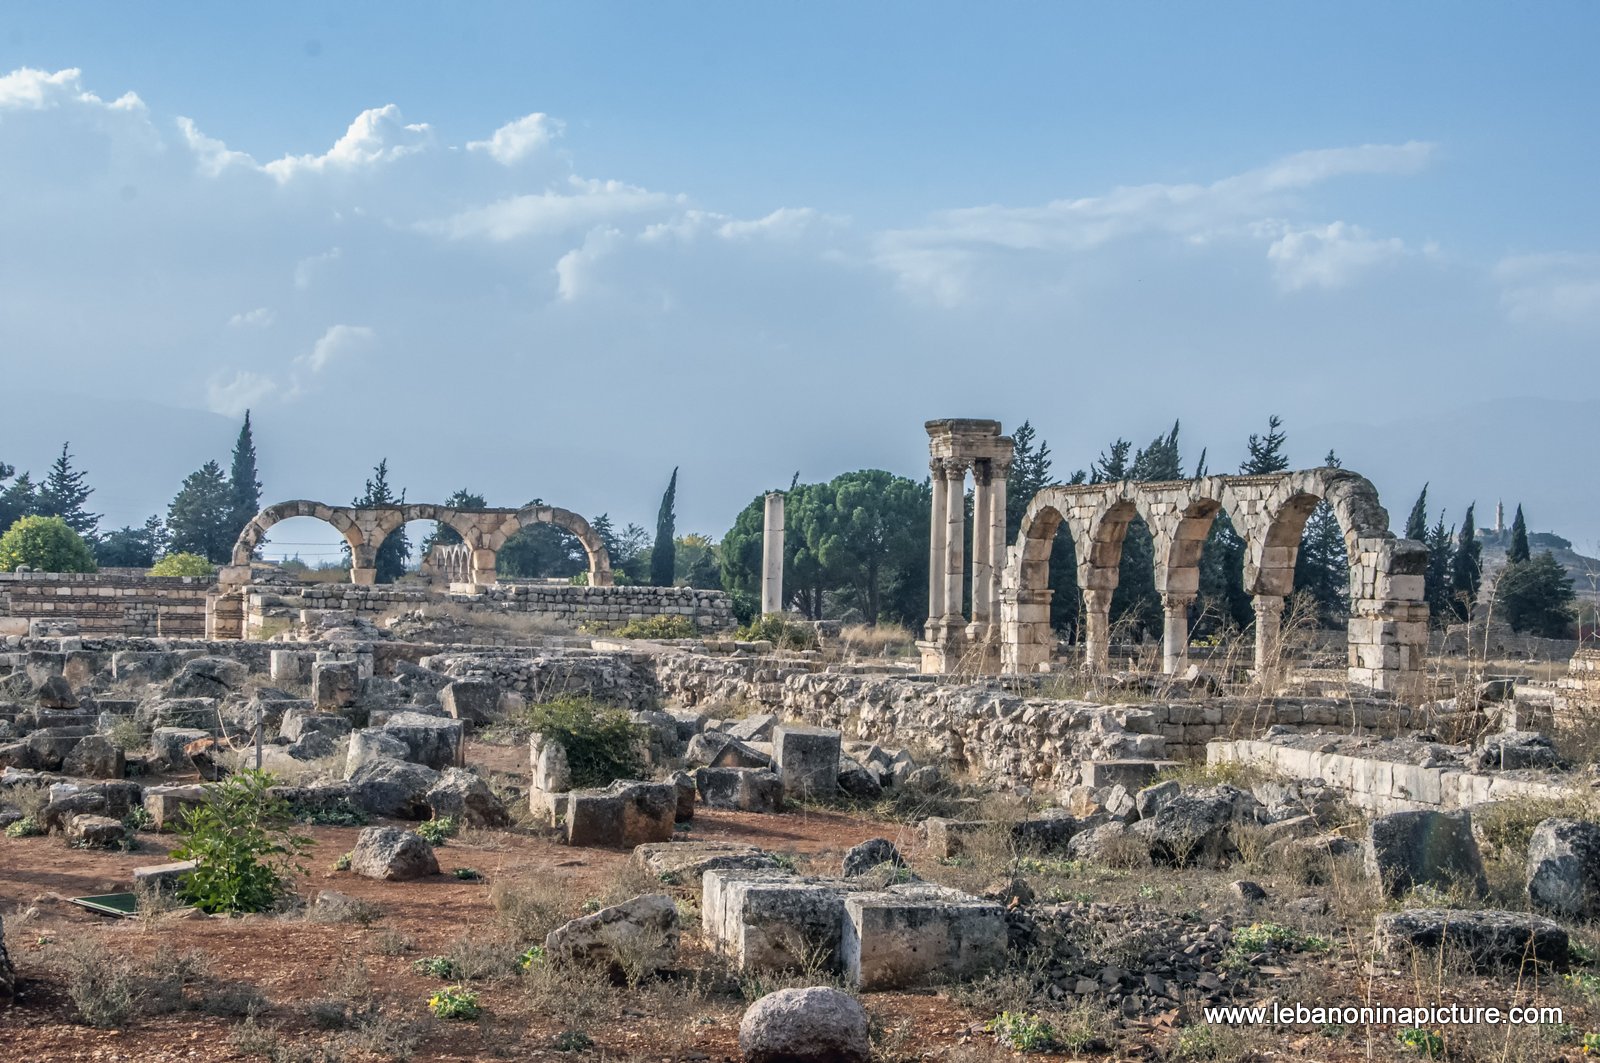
[[983, 572], [998, 473], [483, 564], [1097, 629], [1175, 632], [772, 556], [1269, 623], [364, 565], [1026, 641], [936, 565], [955, 507]]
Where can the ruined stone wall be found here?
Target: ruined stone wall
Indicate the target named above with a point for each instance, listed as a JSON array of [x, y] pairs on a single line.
[[108, 604], [272, 607]]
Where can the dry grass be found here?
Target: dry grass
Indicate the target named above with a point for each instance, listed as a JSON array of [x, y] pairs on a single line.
[[529, 910], [876, 640]]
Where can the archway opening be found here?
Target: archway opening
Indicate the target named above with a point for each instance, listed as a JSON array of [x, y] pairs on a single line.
[[1223, 611], [542, 551], [401, 553], [307, 548], [1136, 615]]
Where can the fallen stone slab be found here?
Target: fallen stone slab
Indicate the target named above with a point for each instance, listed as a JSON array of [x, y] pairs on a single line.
[[384, 786], [623, 815], [208, 677], [740, 789], [807, 760], [161, 877], [1563, 874], [681, 863], [639, 936], [369, 744], [95, 757], [1490, 938], [754, 728], [472, 701], [466, 798], [874, 852], [435, 741], [814, 1025], [907, 936], [167, 804], [774, 920], [298, 723], [1404, 850], [95, 832], [392, 855]]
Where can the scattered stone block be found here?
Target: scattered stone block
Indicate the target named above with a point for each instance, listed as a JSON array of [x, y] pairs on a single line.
[[163, 878], [369, 744], [1135, 774], [384, 786], [335, 684], [392, 855], [907, 936], [50, 746], [432, 740], [1404, 850], [686, 794], [855, 780], [1492, 939], [167, 744], [641, 934], [56, 693], [472, 701], [67, 802], [874, 852], [1563, 875], [467, 799], [772, 920], [208, 677], [623, 815], [95, 832], [815, 1025], [166, 804], [548, 759], [807, 760], [1148, 801], [754, 728], [740, 789], [298, 723], [291, 666], [680, 863], [1514, 750], [95, 757]]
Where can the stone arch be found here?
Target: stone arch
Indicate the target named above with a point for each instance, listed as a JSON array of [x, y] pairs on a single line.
[[599, 559], [340, 519], [1355, 505]]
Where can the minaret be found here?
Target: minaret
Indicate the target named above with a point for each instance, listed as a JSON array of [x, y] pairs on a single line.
[[1499, 517]]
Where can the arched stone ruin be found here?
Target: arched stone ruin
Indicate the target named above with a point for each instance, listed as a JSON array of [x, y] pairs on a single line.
[[483, 532], [1388, 627]]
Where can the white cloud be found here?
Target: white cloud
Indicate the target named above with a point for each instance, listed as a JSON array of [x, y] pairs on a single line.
[[232, 395], [575, 269], [1328, 256], [260, 317], [306, 270], [550, 213], [1550, 289], [785, 223], [212, 155], [339, 342], [516, 140], [27, 89], [377, 135]]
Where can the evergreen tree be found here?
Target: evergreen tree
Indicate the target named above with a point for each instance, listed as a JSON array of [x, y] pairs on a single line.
[[1322, 566], [663, 560], [394, 550], [1519, 539], [1466, 568], [199, 520], [1030, 473], [129, 547], [1436, 581], [443, 534], [542, 551], [1417, 523], [63, 494], [243, 488], [1112, 465], [1266, 452], [1536, 597], [17, 499]]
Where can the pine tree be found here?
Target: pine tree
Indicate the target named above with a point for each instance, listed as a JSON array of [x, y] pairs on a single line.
[[663, 556], [1112, 465], [17, 500], [1466, 568], [1436, 581], [1536, 596], [198, 520], [1519, 539], [443, 534], [394, 550], [243, 488], [129, 547], [1030, 473], [1322, 566], [1266, 452], [1417, 523], [63, 495]]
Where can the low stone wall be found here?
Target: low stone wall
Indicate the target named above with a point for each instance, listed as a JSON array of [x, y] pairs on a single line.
[[108, 603], [1385, 786], [269, 607]]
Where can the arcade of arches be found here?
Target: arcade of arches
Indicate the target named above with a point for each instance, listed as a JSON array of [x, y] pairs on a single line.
[[1388, 627]]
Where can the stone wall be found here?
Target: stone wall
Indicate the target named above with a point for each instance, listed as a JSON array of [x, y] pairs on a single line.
[[108, 604], [1385, 786], [273, 607]]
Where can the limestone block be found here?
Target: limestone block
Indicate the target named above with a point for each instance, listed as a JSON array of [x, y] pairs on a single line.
[[291, 666], [548, 760], [473, 701], [769, 921], [680, 863], [740, 789], [161, 877], [432, 740], [807, 760], [908, 936], [335, 684], [165, 804], [1407, 849], [624, 815]]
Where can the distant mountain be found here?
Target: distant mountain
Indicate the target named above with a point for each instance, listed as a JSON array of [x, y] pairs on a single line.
[[1584, 570]]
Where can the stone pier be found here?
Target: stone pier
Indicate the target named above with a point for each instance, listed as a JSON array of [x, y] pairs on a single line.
[[772, 555]]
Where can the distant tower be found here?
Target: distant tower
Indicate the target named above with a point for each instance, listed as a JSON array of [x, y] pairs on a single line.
[[1499, 517]]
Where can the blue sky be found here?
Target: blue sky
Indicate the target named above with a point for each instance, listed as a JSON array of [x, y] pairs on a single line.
[[555, 251]]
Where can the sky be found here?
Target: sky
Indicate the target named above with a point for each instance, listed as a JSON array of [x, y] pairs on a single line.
[[557, 251]]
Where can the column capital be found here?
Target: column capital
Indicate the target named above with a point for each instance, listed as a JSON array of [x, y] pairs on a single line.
[[956, 468], [1000, 468], [1174, 602], [936, 468]]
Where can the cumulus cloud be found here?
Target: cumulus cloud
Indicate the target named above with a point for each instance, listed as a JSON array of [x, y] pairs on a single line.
[[1550, 289], [552, 212], [377, 135], [516, 140], [260, 317], [307, 269], [1328, 256], [336, 344], [212, 156], [27, 89], [230, 394]]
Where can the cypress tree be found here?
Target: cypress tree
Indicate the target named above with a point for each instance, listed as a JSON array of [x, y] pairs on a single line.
[[63, 495], [1417, 523], [1466, 568], [1436, 581], [664, 556], [1519, 539], [1537, 597], [1266, 452], [244, 489]]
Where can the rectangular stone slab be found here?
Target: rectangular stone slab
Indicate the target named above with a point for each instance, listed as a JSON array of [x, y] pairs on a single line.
[[909, 935]]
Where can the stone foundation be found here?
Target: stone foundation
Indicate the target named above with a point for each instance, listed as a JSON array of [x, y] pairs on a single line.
[[108, 604]]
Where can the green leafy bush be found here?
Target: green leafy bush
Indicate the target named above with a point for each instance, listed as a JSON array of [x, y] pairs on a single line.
[[242, 846], [603, 744], [531, 957], [46, 544], [183, 564], [1022, 1031], [26, 827], [435, 831], [454, 1002], [438, 967], [666, 626], [1426, 1043], [784, 634]]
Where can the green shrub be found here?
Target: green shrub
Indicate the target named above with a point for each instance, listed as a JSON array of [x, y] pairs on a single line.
[[667, 626], [454, 1002], [46, 544], [603, 744], [242, 846], [784, 634], [26, 827], [1428, 1043], [1021, 1031], [435, 831], [183, 564], [438, 967]]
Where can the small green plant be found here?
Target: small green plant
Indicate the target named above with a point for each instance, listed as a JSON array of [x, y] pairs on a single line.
[[1581, 954], [531, 957], [1583, 982], [454, 1002], [243, 849], [435, 831], [784, 634], [785, 861], [183, 564], [1426, 1043], [591, 906], [666, 626], [343, 863], [1591, 1044], [603, 743], [26, 827], [1258, 937], [1022, 1031], [468, 874], [137, 818], [342, 814], [572, 1041], [439, 967]]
